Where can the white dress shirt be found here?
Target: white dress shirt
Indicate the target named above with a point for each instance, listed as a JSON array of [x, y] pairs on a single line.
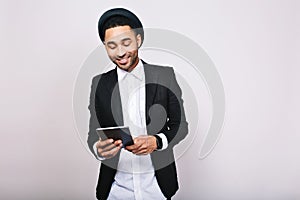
[[135, 178]]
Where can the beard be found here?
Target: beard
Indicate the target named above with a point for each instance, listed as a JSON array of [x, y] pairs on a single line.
[[127, 62]]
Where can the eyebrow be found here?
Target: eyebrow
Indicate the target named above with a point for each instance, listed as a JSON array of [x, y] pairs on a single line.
[[125, 39]]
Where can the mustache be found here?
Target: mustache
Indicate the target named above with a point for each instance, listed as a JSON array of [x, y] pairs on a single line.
[[124, 56]]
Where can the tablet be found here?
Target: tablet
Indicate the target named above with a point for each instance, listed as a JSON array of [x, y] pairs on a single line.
[[116, 133]]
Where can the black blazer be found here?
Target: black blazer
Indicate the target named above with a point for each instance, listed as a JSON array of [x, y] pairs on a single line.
[[168, 118]]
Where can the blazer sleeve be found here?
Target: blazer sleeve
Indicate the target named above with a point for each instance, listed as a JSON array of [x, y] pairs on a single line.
[[93, 122], [177, 126]]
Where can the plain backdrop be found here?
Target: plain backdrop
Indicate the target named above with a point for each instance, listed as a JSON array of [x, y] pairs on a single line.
[[254, 45]]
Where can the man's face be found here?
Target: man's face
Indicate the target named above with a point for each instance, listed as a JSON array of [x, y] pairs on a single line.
[[122, 45]]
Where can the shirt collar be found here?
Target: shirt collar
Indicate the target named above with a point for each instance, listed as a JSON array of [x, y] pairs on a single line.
[[137, 72]]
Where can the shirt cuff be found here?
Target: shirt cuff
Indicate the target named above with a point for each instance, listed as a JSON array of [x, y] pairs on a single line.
[[96, 152], [164, 141]]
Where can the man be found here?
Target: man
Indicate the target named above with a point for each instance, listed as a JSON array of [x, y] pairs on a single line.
[[145, 97]]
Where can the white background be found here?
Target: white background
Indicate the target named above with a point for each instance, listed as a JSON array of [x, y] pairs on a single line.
[[254, 45]]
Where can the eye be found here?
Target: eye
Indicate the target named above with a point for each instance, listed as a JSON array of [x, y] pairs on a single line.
[[112, 46], [126, 43]]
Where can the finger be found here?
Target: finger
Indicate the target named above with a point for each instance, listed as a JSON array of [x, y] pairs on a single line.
[[112, 152], [109, 147], [103, 143], [131, 147], [142, 147], [117, 142], [142, 152], [134, 147]]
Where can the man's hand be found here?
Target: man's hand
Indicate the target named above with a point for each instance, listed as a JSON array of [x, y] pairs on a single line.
[[108, 148], [143, 145]]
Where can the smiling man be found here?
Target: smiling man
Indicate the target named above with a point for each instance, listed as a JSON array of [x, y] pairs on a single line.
[[147, 99]]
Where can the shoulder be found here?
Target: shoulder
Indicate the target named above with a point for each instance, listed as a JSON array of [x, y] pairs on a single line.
[[159, 69], [104, 76]]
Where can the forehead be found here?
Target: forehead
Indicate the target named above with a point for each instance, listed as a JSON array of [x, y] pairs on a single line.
[[118, 33]]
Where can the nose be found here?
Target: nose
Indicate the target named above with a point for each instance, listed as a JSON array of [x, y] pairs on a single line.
[[121, 51]]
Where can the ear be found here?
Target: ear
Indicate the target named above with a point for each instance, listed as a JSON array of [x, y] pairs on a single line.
[[139, 40]]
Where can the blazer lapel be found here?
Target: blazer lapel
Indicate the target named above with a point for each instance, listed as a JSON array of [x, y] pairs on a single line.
[[115, 99], [150, 80]]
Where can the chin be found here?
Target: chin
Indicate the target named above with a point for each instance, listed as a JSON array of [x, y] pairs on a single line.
[[124, 67]]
